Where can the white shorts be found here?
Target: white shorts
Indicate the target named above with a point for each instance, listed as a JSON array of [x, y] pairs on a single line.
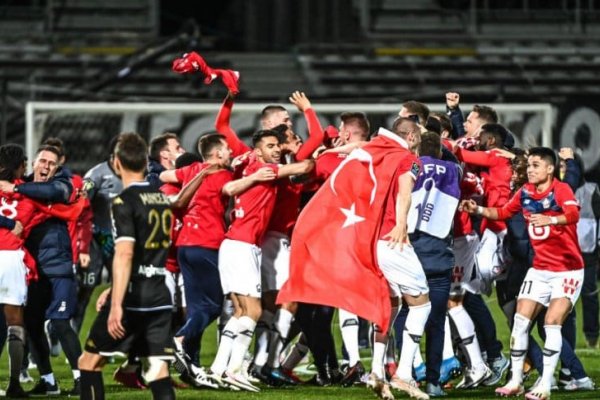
[[464, 260], [402, 269], [13, 278], [174, 282], [239, 268], [489, 255], [543, 286], [275, 266]]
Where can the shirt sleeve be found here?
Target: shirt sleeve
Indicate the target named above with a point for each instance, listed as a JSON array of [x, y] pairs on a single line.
[[511, 208], [315, 135], [479, 158], [122, 220], [224, 128]]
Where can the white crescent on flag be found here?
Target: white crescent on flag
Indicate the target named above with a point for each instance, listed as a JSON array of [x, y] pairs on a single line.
[[362, 156]]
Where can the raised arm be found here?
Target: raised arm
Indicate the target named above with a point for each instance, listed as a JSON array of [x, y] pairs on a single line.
[[222, 125], [316, 134]]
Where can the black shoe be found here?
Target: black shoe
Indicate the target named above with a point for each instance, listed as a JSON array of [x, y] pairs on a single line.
[[76, 391], [335, 375], [15, 391], [353, 375], [43, 388], [278, 377], [258, 372], [321, 378]]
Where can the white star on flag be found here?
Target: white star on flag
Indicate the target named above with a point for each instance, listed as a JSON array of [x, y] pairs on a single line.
[[351, 217]]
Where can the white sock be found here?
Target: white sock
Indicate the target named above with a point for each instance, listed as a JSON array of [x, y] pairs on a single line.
[[390, 351], [279, 334], [411, 337], [76, 374], [418, 360], [519, 339], [552, 348], [241, 343], [448, 350], [378, 356], [49, 378], [349, 328], [263, 331], [228, 335], [298, 352], [466, 332]]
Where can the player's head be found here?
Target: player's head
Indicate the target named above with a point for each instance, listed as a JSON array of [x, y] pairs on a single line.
[[431, 145], [12, 162], [492, 136], [187, 159], [413, 107], [479, 116], [266, 146], [519, 169], [165, 149], [408, 130], [446, 130], [60, 146], [130, 153], [287, 139], [354, 127], [46, 163], [274, 115], [541, 164], [214, 149]]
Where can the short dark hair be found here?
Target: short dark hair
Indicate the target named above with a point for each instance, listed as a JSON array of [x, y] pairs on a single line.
[[497, 131], [12, 156], [418, 109], [281, 130], [486, 113], [187, 159], [433, 125], [47, 147], [263, 133], [271, 109], [56, 142], [359, 119], [131, 150], [431, 144], [545, 153], [159, 143], [445, 122], [208, 143]]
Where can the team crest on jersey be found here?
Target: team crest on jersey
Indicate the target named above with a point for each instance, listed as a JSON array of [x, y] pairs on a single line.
[[546, 203], [414, 169]]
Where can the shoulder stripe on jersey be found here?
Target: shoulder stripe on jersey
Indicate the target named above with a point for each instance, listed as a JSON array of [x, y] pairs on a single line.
[[125, 239], [571, 203]]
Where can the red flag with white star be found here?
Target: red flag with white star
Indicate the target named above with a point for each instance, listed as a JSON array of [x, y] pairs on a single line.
[[333, 259]]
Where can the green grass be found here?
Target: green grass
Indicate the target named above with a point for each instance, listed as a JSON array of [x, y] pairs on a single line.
[[589, 358]]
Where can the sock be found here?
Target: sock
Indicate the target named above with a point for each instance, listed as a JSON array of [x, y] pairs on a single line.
[[349, 328], [448, 349], [552, 348], [92, 385], [468, 338], [263, 332], [418, 359], [241, 343], [226, 314], [162, 389], [411, 338], [519, 340], [49, 378], [298, 352], [390, 350], [16, 349], [377, 366], [279, 335], [228, 335]]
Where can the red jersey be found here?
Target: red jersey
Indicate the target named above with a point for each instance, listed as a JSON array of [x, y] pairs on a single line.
[[253, 208], [496, 174], [17, 207], [171, 189], [204, 219], [326, 164], [556, 247], [287, 207], [411, 164]]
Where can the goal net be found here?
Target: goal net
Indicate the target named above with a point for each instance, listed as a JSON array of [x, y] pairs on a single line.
[[87, 128]]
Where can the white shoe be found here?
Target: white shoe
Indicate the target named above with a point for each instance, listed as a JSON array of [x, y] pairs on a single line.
[[510, 389], [474, 377], [553, 384], [239, 381], [580, 384], [409, 387], [201, 378], [379, 386], [538, 393]]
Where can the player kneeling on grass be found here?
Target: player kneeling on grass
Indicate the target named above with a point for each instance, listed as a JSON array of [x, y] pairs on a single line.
[[555, 281], [139, 306]]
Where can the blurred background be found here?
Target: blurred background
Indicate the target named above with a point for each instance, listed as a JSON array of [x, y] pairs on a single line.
[[337, 51]]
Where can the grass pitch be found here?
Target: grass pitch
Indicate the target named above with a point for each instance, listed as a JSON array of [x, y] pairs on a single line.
[[589, 357]]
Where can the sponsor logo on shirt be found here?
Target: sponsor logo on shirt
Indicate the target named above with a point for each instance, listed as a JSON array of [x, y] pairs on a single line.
[[150, 270]]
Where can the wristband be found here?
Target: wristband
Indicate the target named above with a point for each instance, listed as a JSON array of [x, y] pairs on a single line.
[[15, 189], [479, 210], [553, 220]]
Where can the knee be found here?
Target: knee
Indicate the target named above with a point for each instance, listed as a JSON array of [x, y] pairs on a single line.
[[521, 324], [90, 362], [157, 369], [253, 309]]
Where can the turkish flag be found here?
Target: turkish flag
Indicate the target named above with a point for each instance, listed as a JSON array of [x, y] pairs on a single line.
[[333, 259]]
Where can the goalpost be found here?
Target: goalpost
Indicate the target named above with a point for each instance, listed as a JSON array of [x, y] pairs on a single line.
[[86, 128]]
